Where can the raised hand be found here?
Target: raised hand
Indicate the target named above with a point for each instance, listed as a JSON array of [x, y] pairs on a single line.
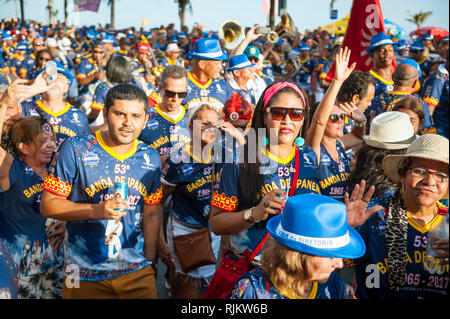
[[356, 203], [343, 71], [353, 111]]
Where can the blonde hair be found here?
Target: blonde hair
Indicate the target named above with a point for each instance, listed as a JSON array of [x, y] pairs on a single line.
[[286, 268], [194, 110]]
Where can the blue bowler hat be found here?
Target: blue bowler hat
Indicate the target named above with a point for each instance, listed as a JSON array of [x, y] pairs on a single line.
[[208, 49], [59, 69], [108, 39], [414, 64], [22, 46], [6, 36], [427, 37], [401, 45], [317, 225], [303, 47], [379, 40], [238, 62], [418, 46]]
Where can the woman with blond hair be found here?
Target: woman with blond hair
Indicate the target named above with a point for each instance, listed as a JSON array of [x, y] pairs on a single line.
[[308, 243]]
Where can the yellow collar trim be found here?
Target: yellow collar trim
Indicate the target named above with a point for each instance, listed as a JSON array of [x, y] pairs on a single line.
[[191, 77], [423, 229], [303, 61], [167, 118], [398, 93], [380, 78], [275, 158], [189, 151], [50, 112], [111, 152], [290, 295]]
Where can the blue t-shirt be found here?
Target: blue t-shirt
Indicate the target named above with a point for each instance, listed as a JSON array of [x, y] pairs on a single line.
[[277, 173], [255, 284], [213, 91], [22, 227], [66, 123], [333, 175], [435, 92], [192, 178], [85, 170], [419, 284], [163, 132], [381, 85]]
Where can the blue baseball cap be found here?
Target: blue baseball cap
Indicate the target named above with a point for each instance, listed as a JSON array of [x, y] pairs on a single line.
[[60, 69], [379, 40], [238, 62], [90, 34], [208, 49], [414, 64], [182, 35], [317, 225], [252, 51]]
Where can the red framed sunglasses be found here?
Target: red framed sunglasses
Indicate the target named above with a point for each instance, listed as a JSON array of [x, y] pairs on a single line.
[[279, 113]]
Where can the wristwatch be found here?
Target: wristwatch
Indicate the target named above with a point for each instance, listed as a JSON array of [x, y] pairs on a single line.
[[248, 216]]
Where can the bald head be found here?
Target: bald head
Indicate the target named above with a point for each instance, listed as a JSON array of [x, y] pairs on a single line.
[[405, 75]]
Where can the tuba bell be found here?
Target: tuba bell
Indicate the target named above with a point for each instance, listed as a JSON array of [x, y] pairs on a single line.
[[273, 37], [232, 33]]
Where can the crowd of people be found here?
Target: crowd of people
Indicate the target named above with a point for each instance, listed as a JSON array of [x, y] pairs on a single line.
[[171, 146]]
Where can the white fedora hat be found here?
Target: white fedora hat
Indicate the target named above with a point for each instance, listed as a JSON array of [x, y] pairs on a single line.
[[391, 131], [427, 146]]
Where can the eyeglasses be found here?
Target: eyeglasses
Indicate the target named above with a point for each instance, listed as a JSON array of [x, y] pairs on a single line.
[[279, 113], [44, 59], [253, 60], [423, 173], [99, 52], [316, 56], [171, 94], [335, 117]]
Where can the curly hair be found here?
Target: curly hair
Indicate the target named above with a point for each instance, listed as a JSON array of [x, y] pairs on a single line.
[[286, 268], [368, 167]]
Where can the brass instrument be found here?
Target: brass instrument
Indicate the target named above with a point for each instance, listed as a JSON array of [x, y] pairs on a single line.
[[286, 28], [273, 37], [232, 33]]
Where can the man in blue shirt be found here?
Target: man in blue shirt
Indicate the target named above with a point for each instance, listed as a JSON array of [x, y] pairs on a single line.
[[112, 242]]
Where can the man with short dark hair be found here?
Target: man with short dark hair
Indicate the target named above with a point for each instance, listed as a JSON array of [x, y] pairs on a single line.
[[112, 240], [406, 83], [381, 50], [167, 124]]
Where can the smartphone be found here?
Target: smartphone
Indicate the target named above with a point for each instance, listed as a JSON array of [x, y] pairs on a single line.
[[263, 30]]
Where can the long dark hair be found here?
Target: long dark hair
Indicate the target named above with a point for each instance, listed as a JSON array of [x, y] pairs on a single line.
[[368, 167], [250, 178]]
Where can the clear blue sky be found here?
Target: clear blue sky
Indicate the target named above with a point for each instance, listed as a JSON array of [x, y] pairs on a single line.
[[307, 14]]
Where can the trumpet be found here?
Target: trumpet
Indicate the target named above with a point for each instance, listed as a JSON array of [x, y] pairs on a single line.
[[232, 33]]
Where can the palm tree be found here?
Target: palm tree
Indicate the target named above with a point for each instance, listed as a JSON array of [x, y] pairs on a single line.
[[182, 4], [419, 18], [112, 4]]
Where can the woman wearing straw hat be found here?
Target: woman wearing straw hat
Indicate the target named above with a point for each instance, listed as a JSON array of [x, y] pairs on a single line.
[[308, 243], [396, 236]]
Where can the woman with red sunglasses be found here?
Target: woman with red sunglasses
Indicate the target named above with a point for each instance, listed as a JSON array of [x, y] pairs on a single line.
[[253, 190], [327, 130]]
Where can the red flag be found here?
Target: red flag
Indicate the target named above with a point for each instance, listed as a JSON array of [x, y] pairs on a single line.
[[366, 20], [86, 5]]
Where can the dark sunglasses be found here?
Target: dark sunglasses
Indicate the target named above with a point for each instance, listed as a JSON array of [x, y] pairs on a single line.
[[171, 94], [335, 117], [99, 52], [279, 113]]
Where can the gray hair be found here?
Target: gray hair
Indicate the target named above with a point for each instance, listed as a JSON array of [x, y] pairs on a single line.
[[174, 72]]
